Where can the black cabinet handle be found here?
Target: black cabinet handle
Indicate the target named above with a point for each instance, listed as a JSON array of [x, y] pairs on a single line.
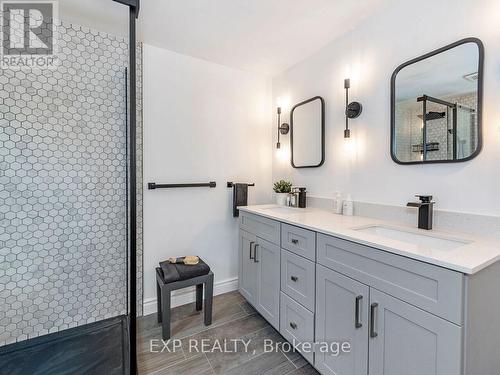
[[357, 318], [293, 325], [251, 244], [294, 241], [373, 319], [255, 260], [294, 279]]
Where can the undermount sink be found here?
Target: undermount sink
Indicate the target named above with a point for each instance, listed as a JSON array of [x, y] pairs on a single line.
[[427, 240], [284, 209]]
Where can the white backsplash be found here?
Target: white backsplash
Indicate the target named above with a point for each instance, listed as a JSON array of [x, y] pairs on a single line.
[[481, 225]]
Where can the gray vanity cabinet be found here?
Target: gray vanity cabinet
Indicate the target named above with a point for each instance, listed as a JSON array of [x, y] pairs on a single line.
[[342, 307], [407, 340], [434, 289], [408, 312], [299, 241], [388, 336], [267, 258], [400, 315], [297, 324], [297, 279], [247, 266], [259, 264]]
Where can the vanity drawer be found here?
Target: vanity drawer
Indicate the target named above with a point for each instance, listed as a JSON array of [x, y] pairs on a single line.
[[296, 323], [431, 288], [298, 278], [299, 241], [262, 227]]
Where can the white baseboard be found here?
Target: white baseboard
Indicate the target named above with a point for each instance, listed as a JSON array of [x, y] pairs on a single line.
[[188, 295]]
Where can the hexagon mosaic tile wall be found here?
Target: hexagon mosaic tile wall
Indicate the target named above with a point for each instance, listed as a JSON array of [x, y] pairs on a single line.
[[63, 202]]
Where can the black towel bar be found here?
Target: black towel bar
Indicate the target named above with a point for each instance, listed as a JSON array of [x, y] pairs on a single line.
[[153, 185], [230, 184]]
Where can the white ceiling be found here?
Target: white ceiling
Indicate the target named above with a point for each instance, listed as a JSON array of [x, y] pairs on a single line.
[[264, 36]]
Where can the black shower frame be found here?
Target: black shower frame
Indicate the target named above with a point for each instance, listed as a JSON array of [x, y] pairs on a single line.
[[480, 85], [134, 6], [51, 353], [424, 99]]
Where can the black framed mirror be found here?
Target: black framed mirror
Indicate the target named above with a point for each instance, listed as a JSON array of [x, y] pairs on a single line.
[[307, 133], [436, 105]]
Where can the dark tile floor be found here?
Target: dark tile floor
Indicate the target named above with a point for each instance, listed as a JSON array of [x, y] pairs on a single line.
[[233, 318]]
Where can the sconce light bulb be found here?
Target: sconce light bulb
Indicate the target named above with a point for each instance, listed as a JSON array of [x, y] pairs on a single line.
[[279, 110], [347, 83], [347, 133], [278, 145]]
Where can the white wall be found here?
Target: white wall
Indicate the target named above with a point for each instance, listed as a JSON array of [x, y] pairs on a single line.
[[368, 55], [202, 122]]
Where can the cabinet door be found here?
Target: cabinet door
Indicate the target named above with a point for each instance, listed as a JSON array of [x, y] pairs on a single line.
[[407, 340], [267, 258], [247, 267], [342, 315]]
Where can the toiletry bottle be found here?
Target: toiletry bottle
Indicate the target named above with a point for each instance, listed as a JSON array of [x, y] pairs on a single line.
[[337, 203], [302, 197], [348, 206]]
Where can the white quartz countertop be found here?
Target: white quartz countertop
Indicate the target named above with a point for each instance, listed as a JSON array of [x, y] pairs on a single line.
[[470, 257]]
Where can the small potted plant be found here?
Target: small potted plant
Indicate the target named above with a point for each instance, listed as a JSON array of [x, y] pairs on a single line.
[[282, 188]]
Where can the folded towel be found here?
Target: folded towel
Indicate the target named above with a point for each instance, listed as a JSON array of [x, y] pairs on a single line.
[[240, 197], [189, 260], [177, 272]]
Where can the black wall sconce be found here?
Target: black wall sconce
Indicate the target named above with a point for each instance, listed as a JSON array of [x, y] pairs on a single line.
[[352, 110], [282, 128]]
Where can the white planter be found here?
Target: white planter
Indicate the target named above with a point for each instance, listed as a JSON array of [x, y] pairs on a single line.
[[281, 198]]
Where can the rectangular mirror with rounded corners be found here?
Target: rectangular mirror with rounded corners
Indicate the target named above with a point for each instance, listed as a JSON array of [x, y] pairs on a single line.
[[307, 133], [436, 104]]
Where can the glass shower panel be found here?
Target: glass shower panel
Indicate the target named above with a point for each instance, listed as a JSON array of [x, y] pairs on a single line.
[[437, 124], [466, 135], [63, 188]]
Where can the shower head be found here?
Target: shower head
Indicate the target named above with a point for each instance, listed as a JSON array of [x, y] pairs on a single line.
[[431, 115]]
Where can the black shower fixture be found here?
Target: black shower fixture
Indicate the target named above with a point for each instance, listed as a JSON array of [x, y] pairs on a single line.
[[432, 115], [352, 110]]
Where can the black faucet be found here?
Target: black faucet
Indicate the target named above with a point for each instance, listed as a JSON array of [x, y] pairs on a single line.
[[425, 211]]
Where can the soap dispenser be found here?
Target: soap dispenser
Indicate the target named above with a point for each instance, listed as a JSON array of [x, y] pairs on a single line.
[[348, 206], [302, 197]]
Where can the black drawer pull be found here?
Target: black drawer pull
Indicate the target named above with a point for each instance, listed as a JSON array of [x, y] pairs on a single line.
[[294, 279], [293, 325], [294, 241], [373, 319], [255, 260], [357, 318]]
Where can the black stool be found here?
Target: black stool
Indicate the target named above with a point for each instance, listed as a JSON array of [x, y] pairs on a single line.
[[164, 289]]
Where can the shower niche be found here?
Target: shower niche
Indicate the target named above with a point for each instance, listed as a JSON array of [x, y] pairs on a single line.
[[436, 102]]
